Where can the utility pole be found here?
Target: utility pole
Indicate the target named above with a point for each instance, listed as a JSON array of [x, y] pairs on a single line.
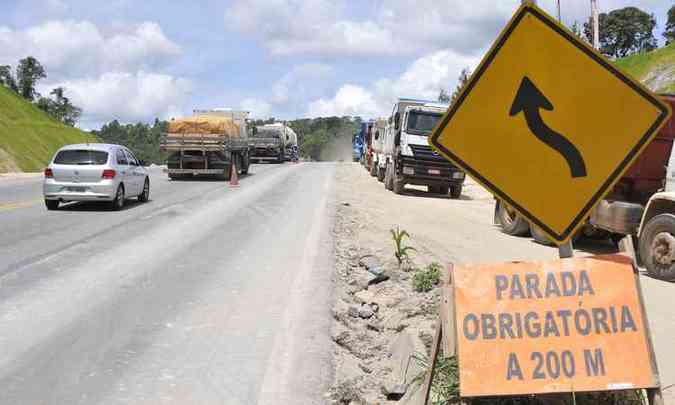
[[596, 24], [559, 15]]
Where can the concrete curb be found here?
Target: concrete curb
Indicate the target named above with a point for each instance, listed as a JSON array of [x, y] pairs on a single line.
[[10, 176]]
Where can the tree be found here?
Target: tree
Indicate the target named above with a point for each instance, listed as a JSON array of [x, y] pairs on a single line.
[[60, 107], [28, 73], [576, 30], [6, 78], [443, 96], [624, 31], [463, 79], [65, 111], [669, 32]]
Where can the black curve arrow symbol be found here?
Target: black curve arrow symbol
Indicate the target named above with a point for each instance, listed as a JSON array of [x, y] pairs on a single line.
[[529, 100]]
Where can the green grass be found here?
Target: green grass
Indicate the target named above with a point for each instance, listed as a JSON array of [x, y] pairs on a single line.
[[28, 136], [654, 69], [426, 280]]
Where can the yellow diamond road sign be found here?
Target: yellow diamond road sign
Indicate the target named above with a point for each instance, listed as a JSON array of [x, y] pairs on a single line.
[[547, 124]]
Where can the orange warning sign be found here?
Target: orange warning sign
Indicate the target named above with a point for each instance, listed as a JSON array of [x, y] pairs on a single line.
[[544, 327]]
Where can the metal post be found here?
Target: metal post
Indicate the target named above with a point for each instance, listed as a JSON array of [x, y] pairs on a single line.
[[559, 14], [566, 251], [596, 24]]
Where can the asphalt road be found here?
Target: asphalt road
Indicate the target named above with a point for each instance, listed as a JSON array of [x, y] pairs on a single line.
[[205, 294]]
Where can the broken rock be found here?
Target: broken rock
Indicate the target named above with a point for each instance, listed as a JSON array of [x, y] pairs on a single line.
[[403, 363], [366, 311]]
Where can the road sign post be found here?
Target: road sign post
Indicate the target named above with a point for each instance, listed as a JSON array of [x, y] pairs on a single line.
[[547, 327], [547, 124]]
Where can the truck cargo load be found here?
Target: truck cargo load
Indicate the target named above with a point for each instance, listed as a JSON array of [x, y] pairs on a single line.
[[207, 144], [205, 125]]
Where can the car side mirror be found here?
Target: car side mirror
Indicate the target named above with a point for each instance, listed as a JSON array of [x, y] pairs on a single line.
[[397, 119]]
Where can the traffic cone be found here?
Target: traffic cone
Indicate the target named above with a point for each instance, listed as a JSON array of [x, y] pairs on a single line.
[[234, 179]]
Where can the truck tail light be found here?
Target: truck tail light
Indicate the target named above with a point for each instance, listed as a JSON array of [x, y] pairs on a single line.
[[49, 174], [108, 174]]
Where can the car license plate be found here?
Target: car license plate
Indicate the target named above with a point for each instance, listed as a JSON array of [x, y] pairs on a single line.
[[76, 189], [434, 171]]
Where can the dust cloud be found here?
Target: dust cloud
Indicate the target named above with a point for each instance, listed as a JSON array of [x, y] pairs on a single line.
[[338, 149]]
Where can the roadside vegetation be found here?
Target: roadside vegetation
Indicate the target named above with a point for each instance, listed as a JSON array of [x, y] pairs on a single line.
[[143, 139], [425, 280], [317, 135], [400, 249], [28, 136]]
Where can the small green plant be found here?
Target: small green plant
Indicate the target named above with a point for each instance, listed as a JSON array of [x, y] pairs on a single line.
[[425, 280], [401, 252], [445, 385]]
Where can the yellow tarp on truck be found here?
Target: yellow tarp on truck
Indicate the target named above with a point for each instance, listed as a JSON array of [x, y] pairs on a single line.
[[205, 125]]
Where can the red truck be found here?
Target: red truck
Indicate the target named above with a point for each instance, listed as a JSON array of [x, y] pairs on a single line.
[[637, 200]]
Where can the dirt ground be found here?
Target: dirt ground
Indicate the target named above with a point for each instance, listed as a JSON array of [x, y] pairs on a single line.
[[441, 230]]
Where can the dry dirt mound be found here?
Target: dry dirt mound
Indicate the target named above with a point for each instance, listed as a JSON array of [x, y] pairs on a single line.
[[7, 164]]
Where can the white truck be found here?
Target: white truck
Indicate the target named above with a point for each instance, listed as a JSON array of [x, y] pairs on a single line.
[[378, 165], [408, 157]]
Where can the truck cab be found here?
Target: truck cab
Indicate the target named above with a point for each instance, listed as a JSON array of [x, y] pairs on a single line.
[[357, 146], [378, 164], [409, 157]]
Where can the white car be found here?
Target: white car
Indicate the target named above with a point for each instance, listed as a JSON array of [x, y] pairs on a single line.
[[95, 172]]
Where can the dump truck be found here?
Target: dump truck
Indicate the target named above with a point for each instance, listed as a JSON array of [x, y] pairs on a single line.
[[273, 143], [408, 157], [640, 205], [207, 144]]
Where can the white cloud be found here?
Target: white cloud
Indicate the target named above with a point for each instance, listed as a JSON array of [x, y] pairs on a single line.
[[422, 79], [301, 82], [328, 28], [110, 73], [349, 100], [128, 97], [259, 108], [324, 27], [75, 48]]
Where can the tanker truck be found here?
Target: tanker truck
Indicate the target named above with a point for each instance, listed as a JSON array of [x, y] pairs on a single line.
[[273, 143]]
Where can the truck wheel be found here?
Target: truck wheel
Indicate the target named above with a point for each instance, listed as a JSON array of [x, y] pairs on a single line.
[[511, 223], [540, 237], [657, 247], [246, 162], [399, 185], [52, 204], [455, 191], [380, 174], [388, 178]]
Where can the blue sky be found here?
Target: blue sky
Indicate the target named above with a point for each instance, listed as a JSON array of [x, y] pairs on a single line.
[[136, 60]]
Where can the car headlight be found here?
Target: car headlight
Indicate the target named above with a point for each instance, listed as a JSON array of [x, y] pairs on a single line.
[[408, 170], [406, 150], [458, 175]]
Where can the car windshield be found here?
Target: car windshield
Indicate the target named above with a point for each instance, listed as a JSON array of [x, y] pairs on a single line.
[[422, 122], [267, 133], [81, 157]]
